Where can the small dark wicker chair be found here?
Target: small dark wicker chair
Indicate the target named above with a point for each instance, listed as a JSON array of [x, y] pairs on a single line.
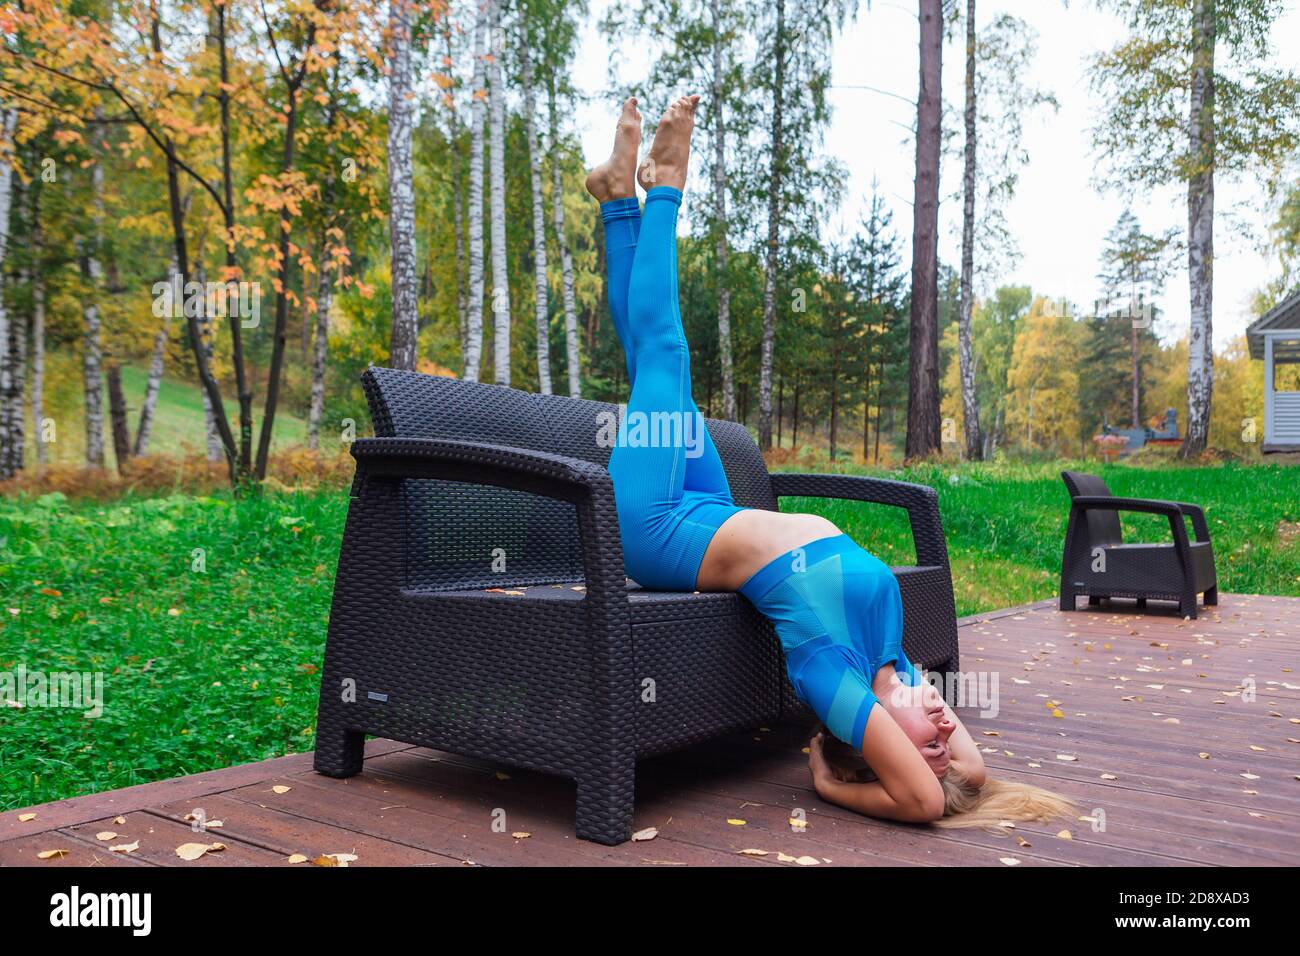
[[1099, 564], [481, 605]]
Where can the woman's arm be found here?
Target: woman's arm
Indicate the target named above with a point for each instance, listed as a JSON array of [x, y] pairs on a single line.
[[906, 788]]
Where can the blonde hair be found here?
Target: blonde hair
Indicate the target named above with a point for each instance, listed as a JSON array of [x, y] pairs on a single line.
[[964, 804]]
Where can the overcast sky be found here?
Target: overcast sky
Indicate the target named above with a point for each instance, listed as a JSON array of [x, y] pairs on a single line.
[[1059, 217]]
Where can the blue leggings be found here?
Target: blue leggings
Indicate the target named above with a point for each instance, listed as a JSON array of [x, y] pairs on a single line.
[[836, 609], [671, 491]]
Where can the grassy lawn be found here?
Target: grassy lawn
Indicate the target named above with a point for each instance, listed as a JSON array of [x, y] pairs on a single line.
[[216, 664]]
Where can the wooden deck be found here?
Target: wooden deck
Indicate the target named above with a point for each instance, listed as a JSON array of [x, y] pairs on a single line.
[[1180, 739]]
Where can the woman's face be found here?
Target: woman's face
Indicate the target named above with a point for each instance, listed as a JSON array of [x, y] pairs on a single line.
[[921, 713]]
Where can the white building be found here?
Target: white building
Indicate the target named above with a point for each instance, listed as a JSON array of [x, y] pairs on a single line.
[[1275, 338]]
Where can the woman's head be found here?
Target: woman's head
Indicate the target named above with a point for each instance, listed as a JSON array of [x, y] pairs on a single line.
[[919, 711], [964, 804]]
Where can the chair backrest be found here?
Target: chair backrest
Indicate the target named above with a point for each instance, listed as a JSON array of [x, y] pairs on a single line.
[[456, 529], [1103, 526]]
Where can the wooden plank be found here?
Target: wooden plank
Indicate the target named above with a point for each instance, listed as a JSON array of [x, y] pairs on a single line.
[[287, 834], [75, 810]]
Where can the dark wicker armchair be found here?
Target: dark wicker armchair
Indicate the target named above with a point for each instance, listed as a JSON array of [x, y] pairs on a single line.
[[1099, 564], [481, 605]]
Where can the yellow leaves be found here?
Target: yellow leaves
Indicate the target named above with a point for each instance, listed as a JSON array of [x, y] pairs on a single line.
[[125, 847], [334, 859], [51, 592], [26, 817], [296, 858], [521, 834], [649, 833], [1066, 757], [1065, 835], [52, 854], [193, 851], [735, 822], [280, 788], [105, 836], [1008, 861], [753, 852]]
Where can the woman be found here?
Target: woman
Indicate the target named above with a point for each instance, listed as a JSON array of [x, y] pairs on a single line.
[[836, 608]]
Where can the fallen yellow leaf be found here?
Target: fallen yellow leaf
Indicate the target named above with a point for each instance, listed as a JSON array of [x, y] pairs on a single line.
[[280, 788], [297, 858], [736, 822], [51, 854], [125, 847], [26, 817], [105, 836], [753, 853], [649, 833]]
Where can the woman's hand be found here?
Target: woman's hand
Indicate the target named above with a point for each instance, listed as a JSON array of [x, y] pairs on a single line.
[[822, 772]]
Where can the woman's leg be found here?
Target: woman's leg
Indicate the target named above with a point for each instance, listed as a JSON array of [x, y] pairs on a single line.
[[622, 219]]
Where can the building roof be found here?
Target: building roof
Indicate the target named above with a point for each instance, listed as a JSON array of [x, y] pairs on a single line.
[[1284, 315]]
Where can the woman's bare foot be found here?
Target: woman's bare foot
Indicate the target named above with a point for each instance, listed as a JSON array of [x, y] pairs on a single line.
[[666, 164], [616, 177]]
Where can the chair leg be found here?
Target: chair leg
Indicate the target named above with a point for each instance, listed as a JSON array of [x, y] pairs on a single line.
[[1141, 602], [1067, 600], [604, 808], [1093, 600], [1212, 596], [339, 752], [1187, 607]]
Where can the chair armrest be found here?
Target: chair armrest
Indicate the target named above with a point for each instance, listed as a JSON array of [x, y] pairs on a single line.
[[1199, 524], [1170, 509], [920, 501], [585, 484]]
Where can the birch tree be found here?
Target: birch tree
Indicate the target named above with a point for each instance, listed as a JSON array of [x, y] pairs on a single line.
[[1188, 95], [474, 339], [497, 195], [92, 344], [969, 397], [8, 122], [542, 304], [401, 190], [572, 356]]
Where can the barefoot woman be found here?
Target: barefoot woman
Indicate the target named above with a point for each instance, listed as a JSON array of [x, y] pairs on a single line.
[[836, 608]]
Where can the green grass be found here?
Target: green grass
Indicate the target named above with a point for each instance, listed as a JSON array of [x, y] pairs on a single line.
[[178, 417], [231, 677]]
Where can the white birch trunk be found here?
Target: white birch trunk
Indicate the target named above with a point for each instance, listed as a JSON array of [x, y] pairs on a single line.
[[720, 217], [401, 192], [7, 123], [543, 312], [92, 349], [970, 408], [773, 238], [154, 384], [473, 357], [324, 301], [500, 271], [1200, 233], [566, 260]]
